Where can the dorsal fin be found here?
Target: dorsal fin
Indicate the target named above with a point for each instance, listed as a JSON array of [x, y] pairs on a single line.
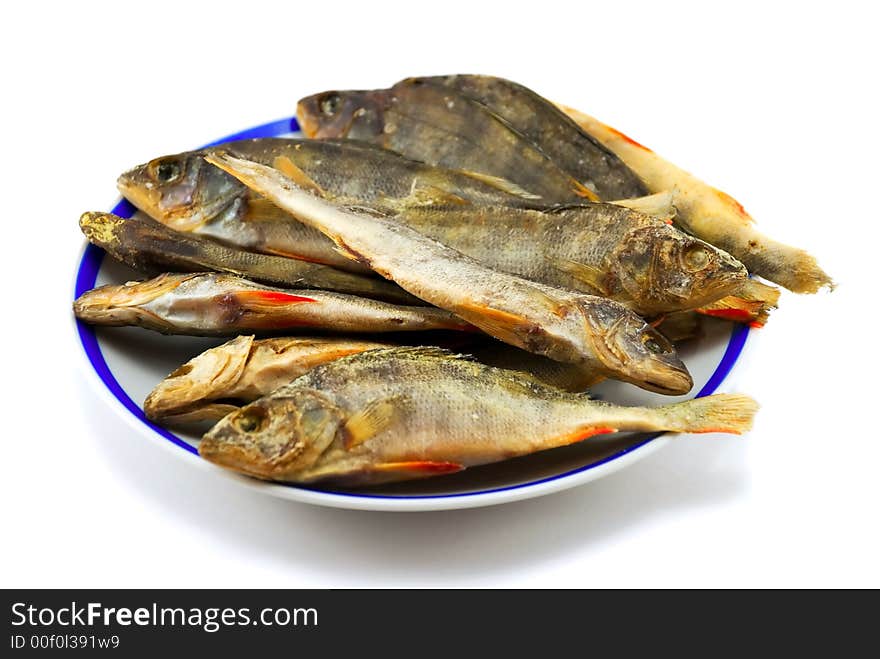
[[420, 351], [262, 210]]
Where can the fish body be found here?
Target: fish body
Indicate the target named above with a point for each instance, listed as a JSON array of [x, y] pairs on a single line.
[[563, 325], [221, 379], [439, 126], [403, 413], [712, 215], [595, 248], [219, 304], [185, 193], [552, 131], [153, 248]]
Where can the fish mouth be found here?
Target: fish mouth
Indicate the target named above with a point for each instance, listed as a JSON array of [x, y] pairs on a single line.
[[216, 447], [675, 382], [307, 124], [144, 199], [99, 312]]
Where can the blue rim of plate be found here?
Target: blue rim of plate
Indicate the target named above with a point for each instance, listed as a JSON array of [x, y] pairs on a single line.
[[87, 276]]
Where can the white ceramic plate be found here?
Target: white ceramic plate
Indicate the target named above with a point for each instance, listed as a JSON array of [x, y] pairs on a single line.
[[128, 362]]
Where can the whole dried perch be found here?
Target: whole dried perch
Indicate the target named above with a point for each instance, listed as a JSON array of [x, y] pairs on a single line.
[[217, 305], [566, 326], [404, 413]]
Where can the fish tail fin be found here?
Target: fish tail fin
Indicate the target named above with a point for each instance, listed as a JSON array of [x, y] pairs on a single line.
[[804, 274], [725, 413]]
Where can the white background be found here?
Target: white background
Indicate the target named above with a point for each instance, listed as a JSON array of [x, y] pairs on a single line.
[[774, 103]]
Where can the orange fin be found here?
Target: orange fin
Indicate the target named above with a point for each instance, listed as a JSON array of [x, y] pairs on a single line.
[[583, 191], [627, 138], [418, 468], [737, 309], [270, 298], [580, 435], [287, 167], [736, 315], [501, 324]]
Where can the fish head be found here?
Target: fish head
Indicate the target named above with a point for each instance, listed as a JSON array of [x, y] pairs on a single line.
[[663, 269], [101, 229], [633, 351], [277, 436], [207, 377], [182, 191], [354, 114], [123, 304]]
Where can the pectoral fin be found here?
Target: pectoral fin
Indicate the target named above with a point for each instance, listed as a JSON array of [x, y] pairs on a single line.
[[589, 275], [260, 209], [369, 422], [507, 327], [269, 300]]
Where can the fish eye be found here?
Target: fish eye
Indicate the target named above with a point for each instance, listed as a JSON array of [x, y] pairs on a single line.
[[329, 104], [251, 420], [167, 171], [696, 257], [653, 345]]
